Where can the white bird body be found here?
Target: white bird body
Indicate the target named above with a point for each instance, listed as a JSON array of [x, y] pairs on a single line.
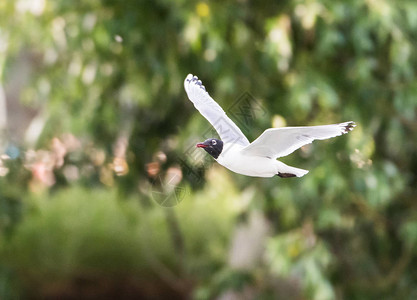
[[233, 158], [259, 158]]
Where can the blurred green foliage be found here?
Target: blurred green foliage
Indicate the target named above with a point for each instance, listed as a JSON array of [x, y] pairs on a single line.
[[97, 131]]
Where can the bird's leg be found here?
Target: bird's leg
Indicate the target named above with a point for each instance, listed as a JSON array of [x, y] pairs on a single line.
[[286, 175]]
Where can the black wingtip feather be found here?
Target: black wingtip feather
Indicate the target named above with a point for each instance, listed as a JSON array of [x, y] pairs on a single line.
[[198, 82], [349, 127]]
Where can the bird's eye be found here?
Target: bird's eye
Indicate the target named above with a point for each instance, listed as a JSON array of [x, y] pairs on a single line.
[[214, 142]]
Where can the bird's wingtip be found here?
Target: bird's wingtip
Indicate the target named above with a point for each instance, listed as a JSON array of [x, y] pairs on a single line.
[[193, 79], [348, 126], [187, 80]]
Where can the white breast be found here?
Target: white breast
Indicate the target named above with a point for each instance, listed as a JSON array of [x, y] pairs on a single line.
[[232, 158]]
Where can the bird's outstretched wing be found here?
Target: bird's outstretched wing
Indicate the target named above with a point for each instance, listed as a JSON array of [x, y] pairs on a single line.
[[227, 130], [278, 142]]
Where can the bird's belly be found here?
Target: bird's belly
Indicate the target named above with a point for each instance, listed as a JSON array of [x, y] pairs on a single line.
[[249, 165]]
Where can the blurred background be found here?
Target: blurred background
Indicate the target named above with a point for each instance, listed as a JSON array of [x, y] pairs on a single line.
[[102, 194]]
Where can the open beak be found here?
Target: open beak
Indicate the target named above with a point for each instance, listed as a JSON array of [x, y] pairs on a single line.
[[201, 145]]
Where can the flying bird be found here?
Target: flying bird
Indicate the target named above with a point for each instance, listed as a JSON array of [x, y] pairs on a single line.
[[259, 158]]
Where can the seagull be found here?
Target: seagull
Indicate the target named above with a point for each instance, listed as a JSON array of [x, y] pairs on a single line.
[[259, 158]]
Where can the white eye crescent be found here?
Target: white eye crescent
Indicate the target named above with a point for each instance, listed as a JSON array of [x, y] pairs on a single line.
[[214, 142]]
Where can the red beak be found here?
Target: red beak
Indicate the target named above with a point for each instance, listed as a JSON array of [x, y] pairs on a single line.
[[200, 145]]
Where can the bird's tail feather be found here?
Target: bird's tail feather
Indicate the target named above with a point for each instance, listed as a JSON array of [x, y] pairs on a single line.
[[285, 171]]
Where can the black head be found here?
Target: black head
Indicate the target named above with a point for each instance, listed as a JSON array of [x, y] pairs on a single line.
[[212, 146]]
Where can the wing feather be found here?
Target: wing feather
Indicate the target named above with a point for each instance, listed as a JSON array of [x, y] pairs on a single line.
[[278, 142], [228, 131]]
